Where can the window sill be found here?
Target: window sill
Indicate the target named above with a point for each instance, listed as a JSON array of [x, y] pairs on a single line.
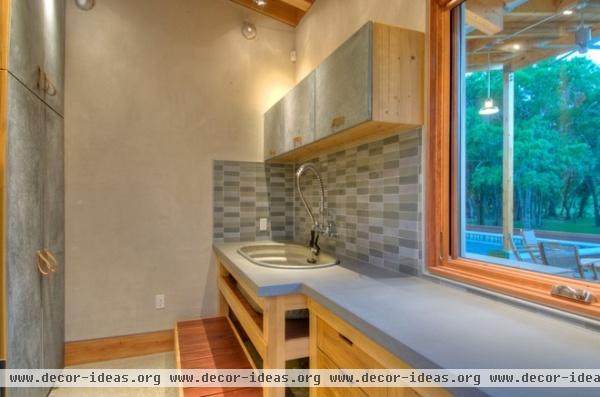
[[519, 284]]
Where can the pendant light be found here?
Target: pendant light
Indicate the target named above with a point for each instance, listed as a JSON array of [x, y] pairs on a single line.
[[488, 105]]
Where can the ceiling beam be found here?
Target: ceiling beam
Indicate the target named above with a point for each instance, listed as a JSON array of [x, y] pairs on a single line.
[[486, 16], [276, 9], [304, 5], [535, 55]]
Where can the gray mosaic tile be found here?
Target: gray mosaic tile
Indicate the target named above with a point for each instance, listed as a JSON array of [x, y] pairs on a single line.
[[373, 194], [374, 197], [244, 192]]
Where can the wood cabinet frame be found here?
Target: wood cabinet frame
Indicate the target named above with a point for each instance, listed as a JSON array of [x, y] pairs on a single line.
[[442, 256]]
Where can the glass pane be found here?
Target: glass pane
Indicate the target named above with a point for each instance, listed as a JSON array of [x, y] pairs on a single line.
[[529, 122]]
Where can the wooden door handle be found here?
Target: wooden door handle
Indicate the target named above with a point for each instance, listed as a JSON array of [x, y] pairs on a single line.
[[52, 258], [43, 265]]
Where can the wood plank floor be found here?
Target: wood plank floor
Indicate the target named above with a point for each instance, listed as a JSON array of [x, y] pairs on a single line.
[[211, 343]]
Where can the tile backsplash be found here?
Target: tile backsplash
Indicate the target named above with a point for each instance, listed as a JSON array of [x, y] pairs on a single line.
[[245, 192], [373, 195]]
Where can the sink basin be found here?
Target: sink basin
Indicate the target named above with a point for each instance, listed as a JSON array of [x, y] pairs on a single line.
[[285, 256]]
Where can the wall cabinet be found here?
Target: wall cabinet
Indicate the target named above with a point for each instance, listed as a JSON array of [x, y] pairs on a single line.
[[36, 48], [299, 114], [274, 131], [290, 123], [344, 85], [371, 86]]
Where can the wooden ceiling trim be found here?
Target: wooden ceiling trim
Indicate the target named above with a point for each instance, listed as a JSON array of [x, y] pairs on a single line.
[[289, 12], [487, 16], [533, 30], [304, 5]]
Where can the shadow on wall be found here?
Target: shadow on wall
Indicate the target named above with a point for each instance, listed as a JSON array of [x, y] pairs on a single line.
[[373, 196]]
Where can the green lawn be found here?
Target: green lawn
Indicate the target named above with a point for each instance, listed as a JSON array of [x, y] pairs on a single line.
[[584, 225]]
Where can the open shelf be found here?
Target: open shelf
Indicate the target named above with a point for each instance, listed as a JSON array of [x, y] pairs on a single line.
[[252, 322]]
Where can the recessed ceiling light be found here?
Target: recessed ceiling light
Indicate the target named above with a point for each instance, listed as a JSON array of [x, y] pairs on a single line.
[[261, 3], [516, 46], [567, 12]]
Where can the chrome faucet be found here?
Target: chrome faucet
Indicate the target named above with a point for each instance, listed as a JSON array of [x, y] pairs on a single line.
[[323, 226]]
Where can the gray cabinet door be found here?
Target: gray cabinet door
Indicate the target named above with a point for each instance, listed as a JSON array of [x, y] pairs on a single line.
[[299, 114], [24, 229], [274, 131], [26, 53], [53, 298], [343, 94], [54, 53]]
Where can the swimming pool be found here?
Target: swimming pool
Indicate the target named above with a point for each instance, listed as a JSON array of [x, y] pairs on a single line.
[[489, 243]]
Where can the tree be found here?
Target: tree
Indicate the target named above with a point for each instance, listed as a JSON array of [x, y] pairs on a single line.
[[557, 143]]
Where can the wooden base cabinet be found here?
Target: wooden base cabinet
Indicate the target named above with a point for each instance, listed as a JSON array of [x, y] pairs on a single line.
[[335, 344]]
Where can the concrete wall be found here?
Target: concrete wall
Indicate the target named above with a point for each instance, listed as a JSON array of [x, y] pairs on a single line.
[[330, 22], [154, 93]]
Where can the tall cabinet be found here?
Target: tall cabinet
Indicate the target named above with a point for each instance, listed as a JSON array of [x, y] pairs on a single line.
[[32, 184]]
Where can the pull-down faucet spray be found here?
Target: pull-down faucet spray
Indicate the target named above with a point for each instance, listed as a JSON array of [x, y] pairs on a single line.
[[318, 227]]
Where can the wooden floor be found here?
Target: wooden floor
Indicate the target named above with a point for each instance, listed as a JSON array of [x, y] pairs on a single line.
[[211, 343]]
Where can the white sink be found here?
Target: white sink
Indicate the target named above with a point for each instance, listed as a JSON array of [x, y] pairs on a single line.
[[285, 256]]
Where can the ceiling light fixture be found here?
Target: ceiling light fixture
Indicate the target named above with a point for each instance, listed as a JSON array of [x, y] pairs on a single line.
[[85, 5], [516, 46], [260, 3], [567, 12], [488, 105], [249, 30]]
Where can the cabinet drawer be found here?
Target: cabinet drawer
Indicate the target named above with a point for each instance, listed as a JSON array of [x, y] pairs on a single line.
[[325, 363], [342, 350]]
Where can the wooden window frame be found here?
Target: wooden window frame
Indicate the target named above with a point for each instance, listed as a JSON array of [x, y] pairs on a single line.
[[442, 256]]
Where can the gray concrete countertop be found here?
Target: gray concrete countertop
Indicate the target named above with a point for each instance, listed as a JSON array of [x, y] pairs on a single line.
[[431, 325]]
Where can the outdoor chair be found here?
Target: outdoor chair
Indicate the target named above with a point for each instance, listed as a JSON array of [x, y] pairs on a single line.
[[567, 256], [530, 247]]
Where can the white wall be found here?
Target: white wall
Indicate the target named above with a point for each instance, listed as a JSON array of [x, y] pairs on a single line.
[[155, 91], [329, 23]]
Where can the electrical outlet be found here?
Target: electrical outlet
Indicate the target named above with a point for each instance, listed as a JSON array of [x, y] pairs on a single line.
[[159, 301], [263, 224]]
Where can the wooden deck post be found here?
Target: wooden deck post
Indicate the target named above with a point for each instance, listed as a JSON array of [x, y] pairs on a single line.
[[508, 111]]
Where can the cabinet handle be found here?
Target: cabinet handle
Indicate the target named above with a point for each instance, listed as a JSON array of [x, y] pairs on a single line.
[[49, 88], [338, 121], [54, 264], [43, 262], [345, 339], [297, 140], [41, 79], [44, 84]]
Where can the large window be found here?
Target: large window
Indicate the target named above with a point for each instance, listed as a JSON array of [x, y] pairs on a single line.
[[530, 138], [515, 144]]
